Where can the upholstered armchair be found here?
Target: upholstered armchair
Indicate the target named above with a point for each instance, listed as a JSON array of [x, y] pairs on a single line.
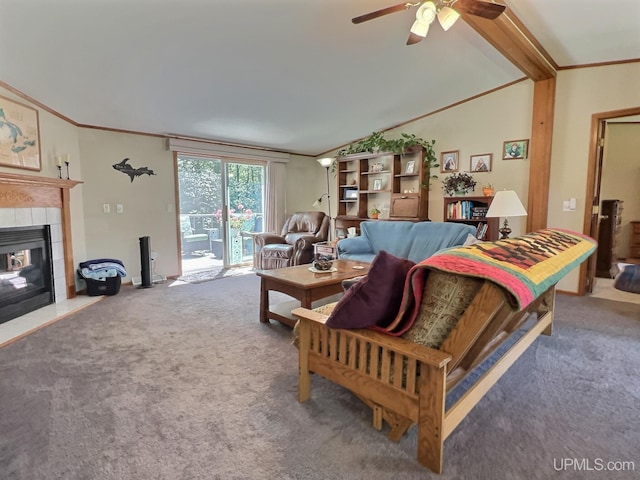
[[294, 245]]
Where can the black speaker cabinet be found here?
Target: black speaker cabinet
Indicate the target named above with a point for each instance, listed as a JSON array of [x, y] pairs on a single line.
[[145, 261]]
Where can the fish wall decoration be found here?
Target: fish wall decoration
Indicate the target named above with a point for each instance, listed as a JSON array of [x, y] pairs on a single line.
[[125, 167]]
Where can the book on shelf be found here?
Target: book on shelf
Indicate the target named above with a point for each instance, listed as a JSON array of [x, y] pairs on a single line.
[[466, 210], [481, 230]]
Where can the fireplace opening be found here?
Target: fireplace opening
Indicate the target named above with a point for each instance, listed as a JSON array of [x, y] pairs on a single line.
[[26, 270]]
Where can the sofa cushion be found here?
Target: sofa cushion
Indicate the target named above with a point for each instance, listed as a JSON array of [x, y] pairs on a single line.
[[413, 240], [376, 298], [445, 298]]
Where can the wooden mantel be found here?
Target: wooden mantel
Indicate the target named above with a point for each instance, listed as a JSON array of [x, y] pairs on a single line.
[[29, 191]]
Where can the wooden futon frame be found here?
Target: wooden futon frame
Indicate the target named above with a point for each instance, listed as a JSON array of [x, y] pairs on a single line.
[[406, 383]]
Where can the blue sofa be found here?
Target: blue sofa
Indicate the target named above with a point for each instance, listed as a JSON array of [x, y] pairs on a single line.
[[413, 240]]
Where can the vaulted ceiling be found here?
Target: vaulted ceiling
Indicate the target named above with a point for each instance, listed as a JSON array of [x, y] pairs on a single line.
[[289, 75]]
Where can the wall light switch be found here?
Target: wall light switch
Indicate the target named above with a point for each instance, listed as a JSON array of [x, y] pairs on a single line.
[[565, 206], [119, 208], [572, 203], [169, 207], [106, 208]]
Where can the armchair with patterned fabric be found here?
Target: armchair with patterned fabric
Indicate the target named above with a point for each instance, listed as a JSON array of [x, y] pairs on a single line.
[[294, 245]]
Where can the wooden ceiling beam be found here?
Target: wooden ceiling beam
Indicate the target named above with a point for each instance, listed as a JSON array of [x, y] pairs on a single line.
[[509, 36]]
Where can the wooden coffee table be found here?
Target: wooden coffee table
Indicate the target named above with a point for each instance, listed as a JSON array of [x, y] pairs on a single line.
[[302, 284]]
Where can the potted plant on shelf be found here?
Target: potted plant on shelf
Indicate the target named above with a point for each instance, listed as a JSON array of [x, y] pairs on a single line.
[[458, 184], [374, 212]]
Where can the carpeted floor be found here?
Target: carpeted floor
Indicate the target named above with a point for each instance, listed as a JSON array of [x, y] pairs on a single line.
[[183, 382], [214, 274]]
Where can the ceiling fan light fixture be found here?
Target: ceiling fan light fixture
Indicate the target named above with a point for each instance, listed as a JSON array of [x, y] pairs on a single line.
[[419, 28], [447, 16], [426, 13]]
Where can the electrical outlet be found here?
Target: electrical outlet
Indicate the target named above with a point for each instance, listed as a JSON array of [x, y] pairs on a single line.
[[119, 208], [106, 208]]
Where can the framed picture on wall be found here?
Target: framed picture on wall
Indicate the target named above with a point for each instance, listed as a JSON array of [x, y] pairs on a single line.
[[514, 149], [20, 145], [449, 161], [481, 163]]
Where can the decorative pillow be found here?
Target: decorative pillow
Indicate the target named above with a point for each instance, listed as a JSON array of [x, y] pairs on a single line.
[[376, 298], [471, 240], [445, 298]]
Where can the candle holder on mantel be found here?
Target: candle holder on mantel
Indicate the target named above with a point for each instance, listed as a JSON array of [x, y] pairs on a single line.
[[59, 171], [67, 165]]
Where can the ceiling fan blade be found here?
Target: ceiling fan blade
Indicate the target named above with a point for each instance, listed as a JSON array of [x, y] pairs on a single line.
[[479, 8], [413, 39], [379, 13]]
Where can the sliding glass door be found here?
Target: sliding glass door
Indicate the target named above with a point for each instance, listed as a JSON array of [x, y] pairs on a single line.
[[221, 206], [245, 207]]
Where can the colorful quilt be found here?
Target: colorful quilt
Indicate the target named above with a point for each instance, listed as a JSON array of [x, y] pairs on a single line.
[[525, 267]]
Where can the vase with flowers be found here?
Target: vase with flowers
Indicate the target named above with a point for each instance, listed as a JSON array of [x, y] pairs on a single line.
[[237, 219], [458, 184]]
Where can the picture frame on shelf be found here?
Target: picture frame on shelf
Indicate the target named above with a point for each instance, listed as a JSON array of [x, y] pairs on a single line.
[[377, 184], [449, 161], [481, 163], [376, 167], [515, 149], [22, 124], [351, 194], [410, 167]]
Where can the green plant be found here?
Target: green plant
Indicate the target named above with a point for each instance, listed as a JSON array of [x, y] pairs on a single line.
[[375, 211], [458, 183], [377, 142]]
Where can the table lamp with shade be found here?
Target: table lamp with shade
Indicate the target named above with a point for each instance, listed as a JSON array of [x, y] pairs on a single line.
[[506, 204], [326, 163]]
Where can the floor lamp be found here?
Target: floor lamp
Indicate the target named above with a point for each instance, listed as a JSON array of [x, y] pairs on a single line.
[[326, 163], [506, 204]]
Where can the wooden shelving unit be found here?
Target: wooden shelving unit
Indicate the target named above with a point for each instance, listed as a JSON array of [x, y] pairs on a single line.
[[472, 210], [388, 181]]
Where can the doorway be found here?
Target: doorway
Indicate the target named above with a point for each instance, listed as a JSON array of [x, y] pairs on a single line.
[[597, 170], [220, 207]]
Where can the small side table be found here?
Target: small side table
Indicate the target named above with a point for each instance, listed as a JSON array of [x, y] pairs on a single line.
[[255, 247]]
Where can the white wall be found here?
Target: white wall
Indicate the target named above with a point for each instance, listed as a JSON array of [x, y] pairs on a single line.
[[145, 200], [580, 94], [306, 181], [479, 127]]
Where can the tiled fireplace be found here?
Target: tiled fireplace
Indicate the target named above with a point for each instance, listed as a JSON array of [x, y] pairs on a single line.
[[38, 204]]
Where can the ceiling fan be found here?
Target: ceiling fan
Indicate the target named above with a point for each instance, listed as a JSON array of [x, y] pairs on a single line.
[[443, 9]]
